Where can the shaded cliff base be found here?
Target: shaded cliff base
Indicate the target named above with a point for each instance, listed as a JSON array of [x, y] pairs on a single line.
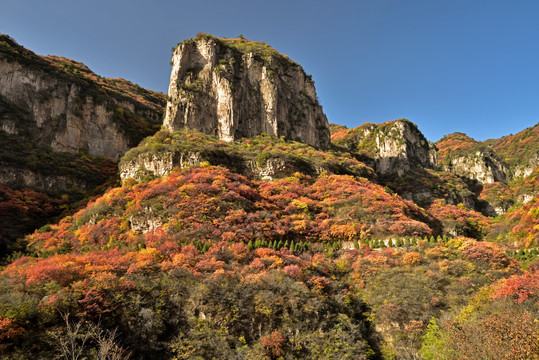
[[39, 185]]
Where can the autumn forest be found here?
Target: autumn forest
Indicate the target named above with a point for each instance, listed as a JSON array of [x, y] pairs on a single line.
[[182, 245]]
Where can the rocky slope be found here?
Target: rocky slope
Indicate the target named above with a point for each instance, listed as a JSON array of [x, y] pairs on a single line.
[[520, 151], [394, 147], [504, 168], [464, 156], [61, 129], [60, 103], [263, 157], [241, 105], [512, 157], [235, 88]]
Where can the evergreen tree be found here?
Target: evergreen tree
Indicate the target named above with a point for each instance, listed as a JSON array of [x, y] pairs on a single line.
[[206, 247], [250, 245], [286, 244], [279, 245], [356, 244]]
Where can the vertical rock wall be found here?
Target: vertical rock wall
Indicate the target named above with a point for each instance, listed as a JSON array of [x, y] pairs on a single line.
[[235, 88]]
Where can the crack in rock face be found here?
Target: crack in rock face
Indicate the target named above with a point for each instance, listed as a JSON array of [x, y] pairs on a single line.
[[234, 88]]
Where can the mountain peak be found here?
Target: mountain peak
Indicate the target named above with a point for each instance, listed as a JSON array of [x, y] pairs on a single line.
[[236, 88]]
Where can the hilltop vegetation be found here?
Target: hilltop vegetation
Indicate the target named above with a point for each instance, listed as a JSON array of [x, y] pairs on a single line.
[[243, 46], [518, 149]]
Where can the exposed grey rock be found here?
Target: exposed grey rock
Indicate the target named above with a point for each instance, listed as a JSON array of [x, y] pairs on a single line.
[[234, 92], [403, 147], [162, 163], [395, 147], [53, 108], [21, 177], [526, 170], [158, 164], [481, 165]]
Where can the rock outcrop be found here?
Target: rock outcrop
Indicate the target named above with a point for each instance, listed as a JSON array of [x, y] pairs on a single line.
[[466, 157], [526, 169], [60, 103], [235, 88], [263, 157], [482, 166], [162, 164], [402, 147], [519, 151], [17, 177], [61, 129], [392, 148]]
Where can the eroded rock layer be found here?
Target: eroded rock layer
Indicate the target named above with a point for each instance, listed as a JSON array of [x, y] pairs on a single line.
[[235, 88]]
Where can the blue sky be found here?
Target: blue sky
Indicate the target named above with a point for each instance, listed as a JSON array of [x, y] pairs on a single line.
[[460, 65]]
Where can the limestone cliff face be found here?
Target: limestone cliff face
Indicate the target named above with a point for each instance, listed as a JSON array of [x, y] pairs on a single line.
[[234, 88], [464, 156], [522, 171], [60, 103], [161, 164], [391, 148], [158, 164], [482, 166], [261, 157], [401, 147], [17, 177]]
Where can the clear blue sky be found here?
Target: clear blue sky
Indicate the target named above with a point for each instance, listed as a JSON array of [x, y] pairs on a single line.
[[459, 65]]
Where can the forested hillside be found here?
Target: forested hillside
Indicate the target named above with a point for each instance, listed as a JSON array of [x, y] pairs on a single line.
[[379, 245]]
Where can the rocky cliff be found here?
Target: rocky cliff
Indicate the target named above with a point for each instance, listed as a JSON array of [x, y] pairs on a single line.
[[519, 151], [464, 156], [235, 88], [263, 157], [60, 103], [482, 166], [62, 128], [392, 148]]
